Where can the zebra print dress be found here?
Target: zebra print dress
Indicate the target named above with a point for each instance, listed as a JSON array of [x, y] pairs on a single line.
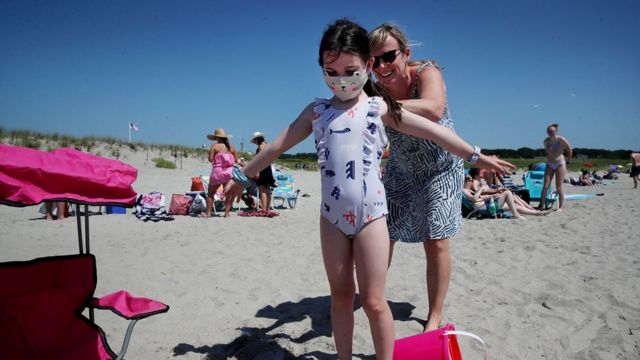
[[424, 184]]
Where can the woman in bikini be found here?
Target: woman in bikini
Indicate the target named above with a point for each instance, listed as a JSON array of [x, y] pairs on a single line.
[[555, 146]]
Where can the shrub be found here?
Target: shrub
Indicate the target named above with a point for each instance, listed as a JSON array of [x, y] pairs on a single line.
[[164, 164]]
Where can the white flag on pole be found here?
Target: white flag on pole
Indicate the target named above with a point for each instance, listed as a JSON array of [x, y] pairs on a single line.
[[133, 126]]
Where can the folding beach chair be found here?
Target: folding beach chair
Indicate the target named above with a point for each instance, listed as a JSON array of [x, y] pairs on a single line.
[[534, 182], [285, 191], [42, 300], [469, 210], [41, 305], [218, 196]]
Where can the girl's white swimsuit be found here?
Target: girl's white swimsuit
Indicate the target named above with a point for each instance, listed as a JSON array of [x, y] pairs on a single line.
[[350, 145]]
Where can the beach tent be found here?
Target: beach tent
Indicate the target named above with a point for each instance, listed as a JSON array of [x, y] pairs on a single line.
[[42, 300]]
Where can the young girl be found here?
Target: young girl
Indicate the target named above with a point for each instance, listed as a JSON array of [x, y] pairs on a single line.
[[350, 139]]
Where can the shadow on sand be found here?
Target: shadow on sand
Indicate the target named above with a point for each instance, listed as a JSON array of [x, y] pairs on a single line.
[[264, 342]]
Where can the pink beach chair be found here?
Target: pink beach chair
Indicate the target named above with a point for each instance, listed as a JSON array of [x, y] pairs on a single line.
[[41, 306], [42, 301]]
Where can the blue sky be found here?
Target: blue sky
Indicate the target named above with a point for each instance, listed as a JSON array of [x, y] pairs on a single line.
[[179, 69]]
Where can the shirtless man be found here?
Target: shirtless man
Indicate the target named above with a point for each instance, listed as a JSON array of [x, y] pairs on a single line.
[[555, 146], [635, 168]]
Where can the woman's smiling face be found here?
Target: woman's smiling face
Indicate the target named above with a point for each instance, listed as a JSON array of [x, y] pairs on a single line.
[[388, 72]]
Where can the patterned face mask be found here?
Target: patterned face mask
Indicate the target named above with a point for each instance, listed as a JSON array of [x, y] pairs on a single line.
[[347, 87]]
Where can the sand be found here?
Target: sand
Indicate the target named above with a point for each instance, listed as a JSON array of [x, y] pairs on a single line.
[[564, 286]]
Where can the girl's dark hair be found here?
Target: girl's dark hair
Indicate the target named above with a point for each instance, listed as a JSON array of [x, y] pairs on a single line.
[[345, 36]]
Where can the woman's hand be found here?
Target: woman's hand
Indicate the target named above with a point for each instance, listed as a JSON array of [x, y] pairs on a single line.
[[231, 191], [500, 166]]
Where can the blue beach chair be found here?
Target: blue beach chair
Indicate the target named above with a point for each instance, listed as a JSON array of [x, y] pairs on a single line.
[[534, 182], [285, 191]]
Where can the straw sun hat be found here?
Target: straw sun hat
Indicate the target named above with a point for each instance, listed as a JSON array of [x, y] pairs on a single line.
[[257, 134], [219, 133]]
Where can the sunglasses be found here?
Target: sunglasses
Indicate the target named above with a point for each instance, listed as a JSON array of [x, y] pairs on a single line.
[[388, 57]]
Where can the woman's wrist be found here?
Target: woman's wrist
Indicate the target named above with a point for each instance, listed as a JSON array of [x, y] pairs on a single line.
[[473, 158]]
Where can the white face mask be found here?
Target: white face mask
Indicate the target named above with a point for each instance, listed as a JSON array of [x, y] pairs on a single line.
[[347, 87]]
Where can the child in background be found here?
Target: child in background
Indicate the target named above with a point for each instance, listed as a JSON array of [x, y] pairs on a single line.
[[350, 139]]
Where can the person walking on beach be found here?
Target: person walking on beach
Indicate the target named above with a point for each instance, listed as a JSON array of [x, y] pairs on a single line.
[[222, 156], [350, 138], [265, 180], [555, 146], [635, 168], [423, 180]]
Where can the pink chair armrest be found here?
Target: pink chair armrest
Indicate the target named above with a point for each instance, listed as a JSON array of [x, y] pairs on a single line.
[[129, 307]]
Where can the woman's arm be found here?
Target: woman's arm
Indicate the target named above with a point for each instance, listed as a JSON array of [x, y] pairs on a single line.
[[567, 148], [212, 152], [431, 90], [416, 125]]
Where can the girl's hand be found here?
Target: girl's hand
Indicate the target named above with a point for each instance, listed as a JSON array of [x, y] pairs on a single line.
[[231, 190], [492, 163]]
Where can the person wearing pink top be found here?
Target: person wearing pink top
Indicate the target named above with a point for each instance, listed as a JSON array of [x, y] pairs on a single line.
[[222, 156]]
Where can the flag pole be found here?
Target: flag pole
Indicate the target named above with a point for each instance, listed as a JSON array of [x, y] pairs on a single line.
[[129, 132]]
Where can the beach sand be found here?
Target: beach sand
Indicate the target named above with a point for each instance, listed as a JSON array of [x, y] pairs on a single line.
[[564, 286]]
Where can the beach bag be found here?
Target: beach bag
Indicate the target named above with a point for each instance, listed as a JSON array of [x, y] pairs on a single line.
[[152, 200], [199, 204], [180, 204], [196, 184], [439, 344]]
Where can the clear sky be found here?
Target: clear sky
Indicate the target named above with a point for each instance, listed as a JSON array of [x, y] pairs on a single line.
[[180, 69]]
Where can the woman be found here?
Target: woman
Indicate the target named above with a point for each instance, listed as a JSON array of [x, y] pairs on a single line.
[[265, 180], [430, 215], [555, 146], [504, 199], [222, 156]]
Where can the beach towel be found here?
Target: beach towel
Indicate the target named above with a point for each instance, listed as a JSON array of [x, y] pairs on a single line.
[[439, 344], [151, 207], [259, 213]]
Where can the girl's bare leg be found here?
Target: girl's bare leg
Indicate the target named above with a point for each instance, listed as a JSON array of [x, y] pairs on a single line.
[[337, 255], [371, 253]]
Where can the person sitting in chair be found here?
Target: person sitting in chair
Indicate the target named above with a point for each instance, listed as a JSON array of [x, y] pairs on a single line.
[[517, 206]]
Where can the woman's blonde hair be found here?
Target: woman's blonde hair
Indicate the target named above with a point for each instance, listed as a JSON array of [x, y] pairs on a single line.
[[379, 35]]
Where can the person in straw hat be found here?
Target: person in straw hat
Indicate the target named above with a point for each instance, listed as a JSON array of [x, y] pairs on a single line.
[[265, 180], [222, 157]]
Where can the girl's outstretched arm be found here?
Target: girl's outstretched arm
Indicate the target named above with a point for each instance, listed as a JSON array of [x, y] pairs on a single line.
[[417, 126], [297, 131]]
